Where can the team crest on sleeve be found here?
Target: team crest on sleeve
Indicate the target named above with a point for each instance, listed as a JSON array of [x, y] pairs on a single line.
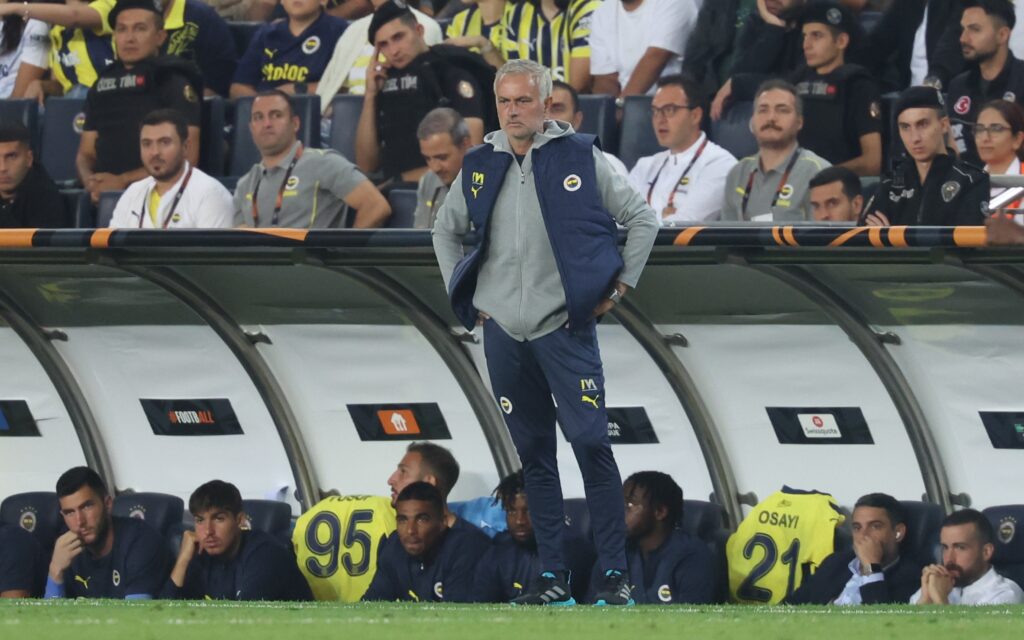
[[116, 575], [311, 45], [572, 183], [665, 593], [439, 590], [950, 191], [963, 105], [466, 90]]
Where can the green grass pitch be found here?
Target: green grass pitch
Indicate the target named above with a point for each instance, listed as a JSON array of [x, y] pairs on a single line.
[[84, 620]]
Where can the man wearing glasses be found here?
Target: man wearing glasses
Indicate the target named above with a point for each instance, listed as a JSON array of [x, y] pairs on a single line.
[[684, 182]]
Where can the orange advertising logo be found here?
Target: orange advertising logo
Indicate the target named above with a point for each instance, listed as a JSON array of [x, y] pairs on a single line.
[[398, 422]]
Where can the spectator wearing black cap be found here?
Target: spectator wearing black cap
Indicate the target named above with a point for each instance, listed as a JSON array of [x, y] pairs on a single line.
[[136, 84], [414, 80], [28, 197], [842, 105], [992, 73], [929, 186], [194, 32]]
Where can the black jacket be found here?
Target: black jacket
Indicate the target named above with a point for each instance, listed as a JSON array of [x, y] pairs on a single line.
[[953, 194], [900, 582], [891, 42], [37, 204], [966, 98], [710, 41]]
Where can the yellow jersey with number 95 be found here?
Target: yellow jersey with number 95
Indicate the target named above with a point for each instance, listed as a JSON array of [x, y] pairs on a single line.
[[336, 544]]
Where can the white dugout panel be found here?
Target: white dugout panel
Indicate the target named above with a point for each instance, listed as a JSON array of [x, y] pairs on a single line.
[[334, 342], [33, 463], [755, 343], [962, 352]]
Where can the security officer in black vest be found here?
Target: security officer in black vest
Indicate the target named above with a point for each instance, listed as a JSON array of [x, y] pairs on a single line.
[[842, 105], [138, 83], [928, 186], [992, 73], [414, 80]]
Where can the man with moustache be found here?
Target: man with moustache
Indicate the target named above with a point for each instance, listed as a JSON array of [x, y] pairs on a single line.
[[176, 195], [222, 561], [772, 185], [102, 555], [992, 72], [966, 575]]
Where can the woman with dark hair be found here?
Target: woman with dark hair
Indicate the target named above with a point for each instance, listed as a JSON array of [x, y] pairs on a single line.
[[999, 137], [25, 42]]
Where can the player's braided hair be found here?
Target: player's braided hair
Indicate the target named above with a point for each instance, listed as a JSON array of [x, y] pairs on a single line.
[[510, 486]]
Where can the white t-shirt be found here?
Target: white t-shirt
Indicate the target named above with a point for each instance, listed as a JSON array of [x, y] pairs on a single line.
[[34, 49], [919, 54], [619, 38], [205, 204], [990, 588], [698, 196]]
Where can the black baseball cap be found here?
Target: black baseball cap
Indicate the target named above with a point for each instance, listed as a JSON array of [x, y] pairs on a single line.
[[830, 13], [385, 13], [919, 97], [146, 5]]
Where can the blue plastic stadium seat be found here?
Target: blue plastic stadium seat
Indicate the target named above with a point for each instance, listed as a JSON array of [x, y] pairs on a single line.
[[636, 137], [345, 112], [25, 112], [63, 119], [37, 512], [599, 119], [403, 208], [924, 519], [702, 519], [732, 132], [160, 510], [105, 208], [243, 32], [77, 202], [212, 144], [270, 516], [1009, 556], [229, 182], [244, 153]]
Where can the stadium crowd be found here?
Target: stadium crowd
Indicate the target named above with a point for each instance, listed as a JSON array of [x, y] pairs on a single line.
[[414, 546], [731, 110]]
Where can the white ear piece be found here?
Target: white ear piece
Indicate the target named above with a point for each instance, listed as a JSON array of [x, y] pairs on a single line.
[[898, 535]]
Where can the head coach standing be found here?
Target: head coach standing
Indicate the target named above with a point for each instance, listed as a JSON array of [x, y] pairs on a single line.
[[543, 203]]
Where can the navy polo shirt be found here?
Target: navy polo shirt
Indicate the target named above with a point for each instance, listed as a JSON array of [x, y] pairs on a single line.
[[276, 57]]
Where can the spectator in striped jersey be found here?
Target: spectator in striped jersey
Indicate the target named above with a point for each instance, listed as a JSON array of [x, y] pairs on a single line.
[[554, 33], [480, 28]]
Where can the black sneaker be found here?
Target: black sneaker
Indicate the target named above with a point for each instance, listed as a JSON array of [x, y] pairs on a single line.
[[550, 589], [615, 590]]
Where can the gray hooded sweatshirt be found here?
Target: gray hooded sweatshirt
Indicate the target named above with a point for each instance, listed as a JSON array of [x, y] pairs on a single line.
[[519, 286]]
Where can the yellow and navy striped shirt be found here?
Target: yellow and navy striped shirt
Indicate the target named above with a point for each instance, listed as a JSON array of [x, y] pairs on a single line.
[[77, 56], [470, 22], [530, 35]]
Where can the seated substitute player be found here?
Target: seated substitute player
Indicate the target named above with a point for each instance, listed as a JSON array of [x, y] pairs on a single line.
[[836, 195], [433, 464], [102, 555], [291, 54], [429, 562], [930, 187], [22, 566], [966, 575], [666, 565], [874, 571], [684, 182], [221, 561], [338, 541], [297, 187], [512, 561], [176, 195]]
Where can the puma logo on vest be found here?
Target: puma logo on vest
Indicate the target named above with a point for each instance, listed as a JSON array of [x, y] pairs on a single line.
[[588, 400]]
